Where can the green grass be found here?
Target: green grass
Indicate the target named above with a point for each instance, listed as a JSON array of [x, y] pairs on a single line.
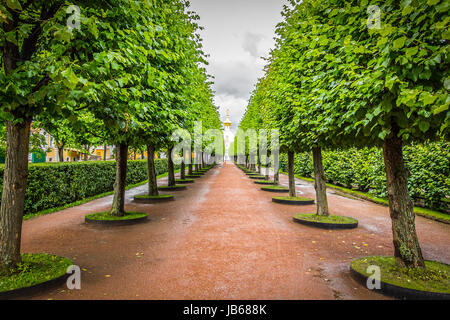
[[276, 188], [288, 198], [184, 180], [424, 212], [105, 216], [330, 219], [83, 201], [34, 269], [161, 196], [435, 277], [264, 181], [180, 186]]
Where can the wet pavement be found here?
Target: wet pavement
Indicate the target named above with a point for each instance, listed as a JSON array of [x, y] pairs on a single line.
[[222, 238]]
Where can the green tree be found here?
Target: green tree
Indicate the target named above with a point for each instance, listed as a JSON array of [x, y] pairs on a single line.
[[351, 85]]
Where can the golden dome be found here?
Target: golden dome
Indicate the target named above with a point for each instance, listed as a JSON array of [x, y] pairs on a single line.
[[227, 122]]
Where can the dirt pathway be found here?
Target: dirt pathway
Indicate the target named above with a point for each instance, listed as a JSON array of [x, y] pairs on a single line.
[[222, 238]]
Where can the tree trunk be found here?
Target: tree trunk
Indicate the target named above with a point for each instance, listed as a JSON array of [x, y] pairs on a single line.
[[104, 152], [142, 154], [190, 164], [171, 176], [152, 182], [320, 183], [276, 168], [85, 156], [407, 250], [292, 192], [183, 169], [259, 164], [61, 153], [267, 168], [13, 195], [276, 178], [197, 167], [252, 162], [118, 205]]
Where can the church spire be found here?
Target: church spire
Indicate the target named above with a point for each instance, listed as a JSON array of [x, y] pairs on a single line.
[[227, 122]]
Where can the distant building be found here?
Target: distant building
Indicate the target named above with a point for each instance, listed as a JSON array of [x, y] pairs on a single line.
[[49, 152], [228, 136]]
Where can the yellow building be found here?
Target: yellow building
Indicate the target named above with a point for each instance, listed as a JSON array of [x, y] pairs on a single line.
[[70, 154], [50, 152], [99, 152]]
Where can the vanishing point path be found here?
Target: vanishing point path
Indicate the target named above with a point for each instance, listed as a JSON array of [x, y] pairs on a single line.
[[222, 238]]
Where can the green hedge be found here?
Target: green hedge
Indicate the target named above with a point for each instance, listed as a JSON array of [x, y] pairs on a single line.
[[363, 169], [53, 185]]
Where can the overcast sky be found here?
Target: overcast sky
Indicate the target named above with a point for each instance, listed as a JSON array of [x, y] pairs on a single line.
[[237, 34]]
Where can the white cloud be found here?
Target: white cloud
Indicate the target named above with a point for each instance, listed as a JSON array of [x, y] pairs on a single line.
[[251, 44], [237, 33], [236, 77]]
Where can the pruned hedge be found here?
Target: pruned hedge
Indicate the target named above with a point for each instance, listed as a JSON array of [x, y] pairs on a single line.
[[363, 169], [53, 185]]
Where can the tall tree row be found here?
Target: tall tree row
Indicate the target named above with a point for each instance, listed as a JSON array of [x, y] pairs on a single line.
[[122, 77], [337, 79]]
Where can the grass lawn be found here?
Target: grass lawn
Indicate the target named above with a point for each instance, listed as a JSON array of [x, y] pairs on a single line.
[[435, 277], [161, 196], [264, 181], [276, 188], [288, 198], [330, 219], [105, 216], [34, 269], [177, 186]]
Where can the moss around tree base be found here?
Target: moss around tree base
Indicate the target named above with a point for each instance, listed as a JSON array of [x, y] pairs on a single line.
[[150, 199], [184, 180], [269, 182], [193, 176], [433, 282], [172, 188], [293, 200], [275, 188], [34, 273], [257, 177], [329, 222], [105, 218]]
